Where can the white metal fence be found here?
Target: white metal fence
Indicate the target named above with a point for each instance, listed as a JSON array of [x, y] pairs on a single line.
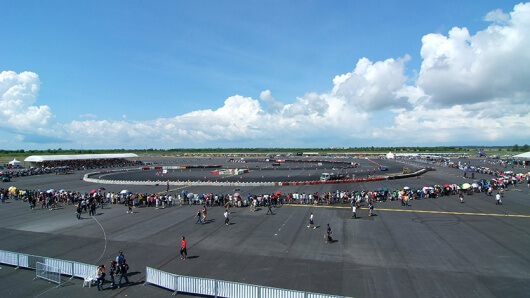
[[219, 288], [51, 269], [48, 272], [63, 267]]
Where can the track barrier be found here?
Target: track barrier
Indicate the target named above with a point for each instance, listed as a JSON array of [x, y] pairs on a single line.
[[47, 272], [54, 266], [51, 269], [220, 288]]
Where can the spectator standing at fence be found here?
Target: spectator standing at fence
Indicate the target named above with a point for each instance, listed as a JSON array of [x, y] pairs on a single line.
[[100, 273], [121, 271], [183, 248]]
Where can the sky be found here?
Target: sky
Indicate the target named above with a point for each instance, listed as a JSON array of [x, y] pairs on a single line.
[[245, 74]]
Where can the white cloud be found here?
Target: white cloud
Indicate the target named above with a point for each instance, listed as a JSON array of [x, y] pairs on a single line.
[[492, 64], [18, 93], [470, 89]]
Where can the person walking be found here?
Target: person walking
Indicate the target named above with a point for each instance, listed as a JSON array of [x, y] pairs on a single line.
[[183, 249], [498, 199], [329, 239], [100, 273], [112, 273], [120, 259], [354, 211], [270, 208], [203, 219], [371, 209], [78, 211], [311, 222], [122, 273], [227, 219], [461, 197], [199, 215]]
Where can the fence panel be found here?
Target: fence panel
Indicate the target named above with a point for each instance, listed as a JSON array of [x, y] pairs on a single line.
[[47, 272], [266, 292], [82, 270], [161, 278], [8, 257], [236, 290], [316, 295], [29, 261], [196, 285], [65, 266]]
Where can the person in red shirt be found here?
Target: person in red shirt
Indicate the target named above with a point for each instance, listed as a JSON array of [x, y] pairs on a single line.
[[183, 251]]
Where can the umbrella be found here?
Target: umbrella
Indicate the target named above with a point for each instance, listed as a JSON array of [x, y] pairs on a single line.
[[475, 185], [184, 192], [93, 191], [278, 192], [406, 188], [236, 194], [447, 185], [102, 188], [125, 192], [62, 190], [466, 186], [51, 190]]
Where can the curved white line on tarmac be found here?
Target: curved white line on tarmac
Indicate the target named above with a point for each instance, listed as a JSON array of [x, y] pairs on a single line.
[[45, 292], [105, 235]]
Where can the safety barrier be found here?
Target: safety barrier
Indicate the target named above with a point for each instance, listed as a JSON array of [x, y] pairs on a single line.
[[220, 288], [47, 272], [29, 261], [8, 257], [84, 270], [63, 267]]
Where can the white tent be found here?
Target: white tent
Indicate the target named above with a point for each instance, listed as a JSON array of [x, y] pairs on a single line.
[[390, 155], [523, 155], [14, 163]]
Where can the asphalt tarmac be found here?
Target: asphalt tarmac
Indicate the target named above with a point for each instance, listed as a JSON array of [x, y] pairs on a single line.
[[433, 248]]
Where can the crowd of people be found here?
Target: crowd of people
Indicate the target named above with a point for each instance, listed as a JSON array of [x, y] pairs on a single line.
[[118, 270]]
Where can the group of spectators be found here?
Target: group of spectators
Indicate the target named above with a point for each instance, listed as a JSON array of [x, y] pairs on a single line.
[[67, 166]]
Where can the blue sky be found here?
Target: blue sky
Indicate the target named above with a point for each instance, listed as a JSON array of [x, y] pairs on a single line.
[[180, 74]]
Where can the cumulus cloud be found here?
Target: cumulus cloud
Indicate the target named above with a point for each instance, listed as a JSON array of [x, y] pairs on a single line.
[[18, 94], [373, 86], [492, 64], [469, 89]]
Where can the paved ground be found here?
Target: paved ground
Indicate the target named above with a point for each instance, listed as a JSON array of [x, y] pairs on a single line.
[[434, 248]]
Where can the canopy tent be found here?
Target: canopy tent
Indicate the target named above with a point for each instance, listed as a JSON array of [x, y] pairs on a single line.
[[14, 162], [522, 155], [43, 158]]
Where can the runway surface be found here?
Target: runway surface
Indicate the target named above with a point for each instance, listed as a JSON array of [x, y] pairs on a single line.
[[433, 248]]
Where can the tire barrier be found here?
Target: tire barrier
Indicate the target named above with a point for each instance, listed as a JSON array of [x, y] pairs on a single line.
[[220, 288], [87, 178]]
